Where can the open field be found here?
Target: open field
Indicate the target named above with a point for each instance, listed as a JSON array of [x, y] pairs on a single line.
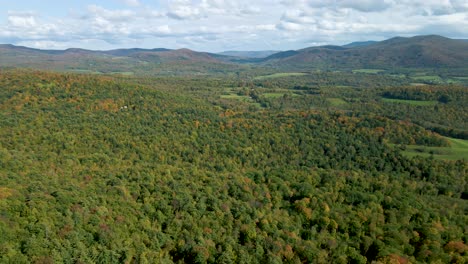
[[411, 102], [124, 73], [428, 78], [278, 95], [85, 71], [241, 98], [372, 71], [236, 97], [401, 75], [279, 75], [457, 151]]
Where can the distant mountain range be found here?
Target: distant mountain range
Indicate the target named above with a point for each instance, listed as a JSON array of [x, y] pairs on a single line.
[[359, 44], [133, 61], [249, 54], [415, 52]]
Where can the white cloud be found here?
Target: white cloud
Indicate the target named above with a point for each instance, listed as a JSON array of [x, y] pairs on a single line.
[[185, 12], [192, 10], [218, 24], [184, 9], [110, 15], [44, 44], [289, 26], [22, 19], [366, 5], [133, 3], [266, 27]]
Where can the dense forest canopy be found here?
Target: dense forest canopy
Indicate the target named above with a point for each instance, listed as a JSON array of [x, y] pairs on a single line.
[[321, 167]]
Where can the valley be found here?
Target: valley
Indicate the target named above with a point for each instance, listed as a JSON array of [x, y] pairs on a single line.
[[331, 154]]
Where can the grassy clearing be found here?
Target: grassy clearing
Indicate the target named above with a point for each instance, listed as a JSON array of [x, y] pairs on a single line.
[[243, 99], [458, 80], [398, 75], [453, 81], [428, 78], [278, 95], [236, 97], [458, 150], [124, 73], [84, 71], [411, 102], [279, 75], [371, 71], [336, 101]]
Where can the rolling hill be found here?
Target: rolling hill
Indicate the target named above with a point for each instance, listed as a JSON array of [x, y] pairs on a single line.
[[249, 54], [416, 52], [134, 61], [359, 44]]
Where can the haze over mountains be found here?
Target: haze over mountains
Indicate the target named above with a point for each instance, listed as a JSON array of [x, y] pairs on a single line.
[[249, 54], [414, 52]]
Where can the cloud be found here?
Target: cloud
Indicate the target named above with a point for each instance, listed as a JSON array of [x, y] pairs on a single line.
[[366, 5], [44, 44], [194, 10], [151, 14], [289, 26], [159, 31], [185, 12], [22, 19], [184, 9], [25, 26], [213, 25], [133, 3], [266, 27], [109, 15]]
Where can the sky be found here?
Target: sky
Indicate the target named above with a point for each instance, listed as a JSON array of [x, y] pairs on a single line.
[[220, 25]]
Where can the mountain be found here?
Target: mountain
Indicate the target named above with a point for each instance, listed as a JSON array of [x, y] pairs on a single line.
[[129, 52], [129, 61], [359, 44], [180, 55], [415, 52], [249, 54]]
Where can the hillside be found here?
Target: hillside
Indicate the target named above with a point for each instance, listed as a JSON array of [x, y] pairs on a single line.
[[128, 61], [100, 169], [415, 52], [359, 44], [249, 54]]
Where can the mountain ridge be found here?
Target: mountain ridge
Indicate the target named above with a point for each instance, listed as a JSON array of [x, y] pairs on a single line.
[[249, 54], [413, 52], [418, 51]]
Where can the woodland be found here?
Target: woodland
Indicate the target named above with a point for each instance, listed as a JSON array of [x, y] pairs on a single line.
[[248, 167]]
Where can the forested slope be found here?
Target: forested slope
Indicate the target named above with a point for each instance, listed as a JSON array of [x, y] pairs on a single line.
[[104, 170], [416, 52]]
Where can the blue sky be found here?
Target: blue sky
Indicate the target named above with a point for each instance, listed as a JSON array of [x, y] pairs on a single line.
[[218, 25]]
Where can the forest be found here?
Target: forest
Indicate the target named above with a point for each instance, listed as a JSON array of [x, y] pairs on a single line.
[[249, 167]]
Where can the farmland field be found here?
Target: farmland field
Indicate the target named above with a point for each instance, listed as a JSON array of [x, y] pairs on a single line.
[[458, 150], [411, 102], [371, 71], [279, 75]]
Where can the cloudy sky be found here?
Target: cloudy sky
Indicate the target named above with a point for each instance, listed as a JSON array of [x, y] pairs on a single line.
[[218, 25]]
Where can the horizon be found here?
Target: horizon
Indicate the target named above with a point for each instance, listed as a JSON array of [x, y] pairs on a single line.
[[218, 52], [218, 25]]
